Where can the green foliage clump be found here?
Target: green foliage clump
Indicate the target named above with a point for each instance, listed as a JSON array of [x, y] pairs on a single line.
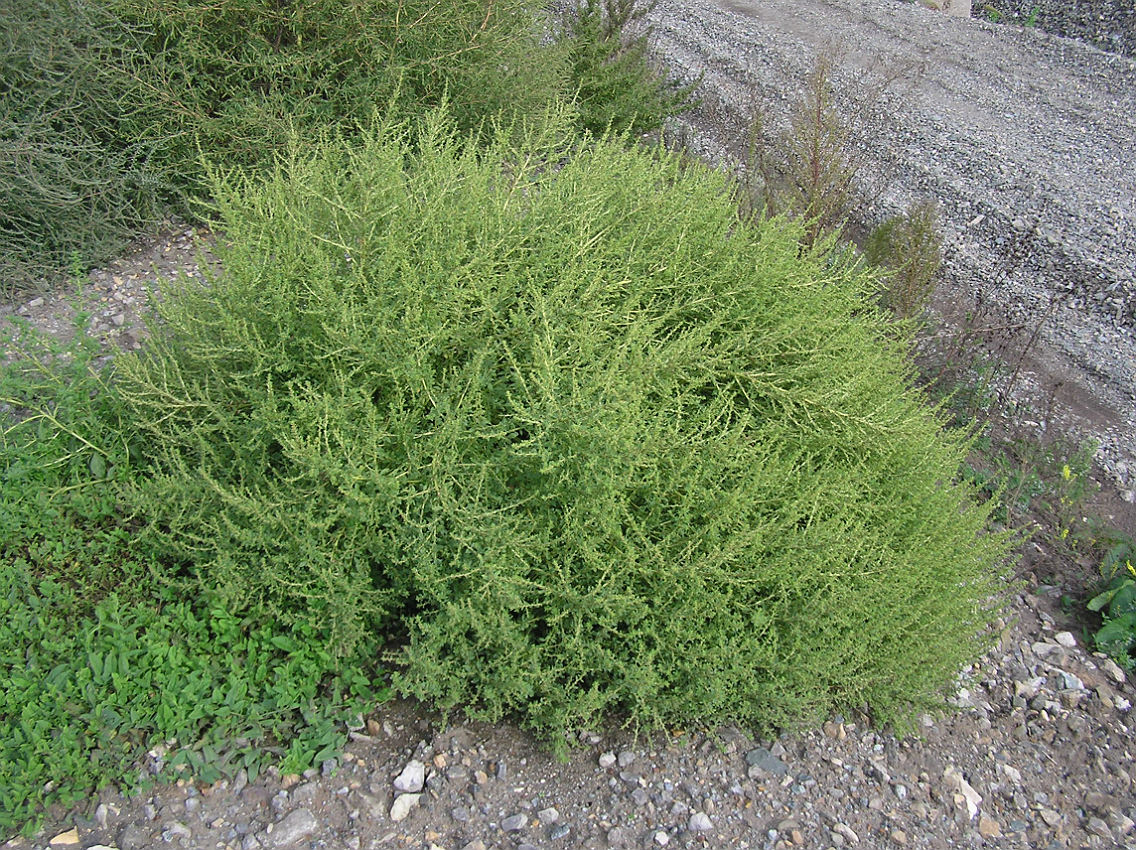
[[546, 414], [909, 250], [616, 87], [100, 662], [1117, 605], [235, 80]]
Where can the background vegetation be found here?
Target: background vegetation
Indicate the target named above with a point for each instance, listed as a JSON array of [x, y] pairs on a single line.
[[111, 110]]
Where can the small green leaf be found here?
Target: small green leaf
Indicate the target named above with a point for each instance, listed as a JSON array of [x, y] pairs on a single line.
[[97, 465]]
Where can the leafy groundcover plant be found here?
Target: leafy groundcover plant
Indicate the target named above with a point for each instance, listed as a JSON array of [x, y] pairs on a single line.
[[546, 415], [99, 662]]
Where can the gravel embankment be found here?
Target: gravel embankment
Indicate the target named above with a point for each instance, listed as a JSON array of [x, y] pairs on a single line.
[[1026, 140]]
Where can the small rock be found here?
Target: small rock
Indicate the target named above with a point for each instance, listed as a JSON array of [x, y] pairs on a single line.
[[1051, 817], [476, 844], [460, 814], [626, 757], [102, 812], [1012, 773], [1066, 639], [988, 827], [842, 829], [514, 823], [559, 831], [1098, 827], [700, 822], [661, 838], [607, 760], [1112, 670], [964, 794], [615, 836], [176, 830], [763, 759], [548, 816], [295, 826], [240, 781], [412, 778], [1070, 682], [133, 837], [403, 803], [1098, 802], [640, 797], [71, 836], [899, 836]]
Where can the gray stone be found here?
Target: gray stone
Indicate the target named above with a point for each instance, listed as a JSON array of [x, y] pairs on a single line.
[[607, 760], [133, 837], [762, 759], [626, 757], [514, 823], [295, 826], [700, 822], [412, 778], [559, 831], [176, 830], [403, 803], [1098, 827], [549, 815]]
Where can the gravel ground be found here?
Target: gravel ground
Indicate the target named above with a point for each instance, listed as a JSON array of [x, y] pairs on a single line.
[[1024, 139], [1040, 751]]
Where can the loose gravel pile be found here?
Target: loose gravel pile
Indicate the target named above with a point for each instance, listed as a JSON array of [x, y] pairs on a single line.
[[1107, 24]]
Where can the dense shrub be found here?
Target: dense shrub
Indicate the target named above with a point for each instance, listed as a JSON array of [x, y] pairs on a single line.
[[553, 418]]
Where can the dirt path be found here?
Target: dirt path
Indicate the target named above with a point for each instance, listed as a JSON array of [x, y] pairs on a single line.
[[1027, 141]]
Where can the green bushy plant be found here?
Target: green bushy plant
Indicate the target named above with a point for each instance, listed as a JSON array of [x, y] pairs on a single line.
[[1117, 605], [234, 80], [616, 85], [545, 413]]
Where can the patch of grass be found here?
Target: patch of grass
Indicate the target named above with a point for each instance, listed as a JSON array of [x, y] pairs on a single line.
[[101, 661], [546, 413]]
